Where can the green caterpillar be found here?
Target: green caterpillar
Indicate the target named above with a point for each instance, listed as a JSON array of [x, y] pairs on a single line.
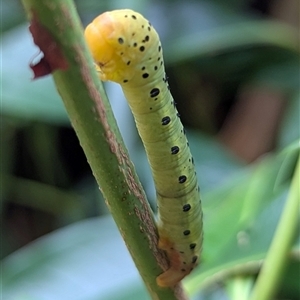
[[127, 50]]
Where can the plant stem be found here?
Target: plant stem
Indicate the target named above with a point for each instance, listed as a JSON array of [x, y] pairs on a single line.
[[272, 270], [239, 287], [57, 30]]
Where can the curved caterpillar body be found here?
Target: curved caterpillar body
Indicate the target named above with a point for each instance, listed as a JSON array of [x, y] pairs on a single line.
[[127, 50]]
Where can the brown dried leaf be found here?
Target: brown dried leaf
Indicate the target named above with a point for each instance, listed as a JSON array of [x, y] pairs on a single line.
[[54, 58]]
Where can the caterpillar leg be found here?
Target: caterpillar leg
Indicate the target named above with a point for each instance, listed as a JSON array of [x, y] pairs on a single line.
[[177, 271]]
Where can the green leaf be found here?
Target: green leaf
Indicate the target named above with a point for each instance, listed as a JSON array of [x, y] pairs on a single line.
[[87, 260], [240, 219]]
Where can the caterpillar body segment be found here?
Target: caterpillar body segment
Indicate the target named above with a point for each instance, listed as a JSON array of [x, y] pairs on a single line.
[[127, 50]]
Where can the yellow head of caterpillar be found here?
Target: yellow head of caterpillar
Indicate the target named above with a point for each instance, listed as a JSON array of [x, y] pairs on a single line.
[[118, 40]]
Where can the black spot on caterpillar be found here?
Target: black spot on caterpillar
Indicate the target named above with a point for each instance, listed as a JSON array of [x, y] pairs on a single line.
[[192, 246], [165, 120], [186, 207], [175, 149], [186, 232], [182, 179], [127, 50], [154, 92]]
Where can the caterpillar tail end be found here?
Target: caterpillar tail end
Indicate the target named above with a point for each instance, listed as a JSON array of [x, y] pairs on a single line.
[[175, 273], [170, 278]]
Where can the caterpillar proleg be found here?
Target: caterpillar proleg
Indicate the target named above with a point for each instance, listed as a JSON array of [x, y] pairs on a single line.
[[127, 50]]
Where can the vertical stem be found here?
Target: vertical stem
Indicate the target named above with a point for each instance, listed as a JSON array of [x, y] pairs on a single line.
[[57, 30], [273, 267]]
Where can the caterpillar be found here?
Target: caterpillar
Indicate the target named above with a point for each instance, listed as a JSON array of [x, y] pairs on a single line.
[[127, 50]]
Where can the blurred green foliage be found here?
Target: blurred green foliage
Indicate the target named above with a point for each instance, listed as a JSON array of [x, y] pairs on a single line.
[[212, 49]]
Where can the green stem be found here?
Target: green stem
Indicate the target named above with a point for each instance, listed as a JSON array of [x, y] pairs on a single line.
[[273, 267], [58, 32], [239, 287]]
